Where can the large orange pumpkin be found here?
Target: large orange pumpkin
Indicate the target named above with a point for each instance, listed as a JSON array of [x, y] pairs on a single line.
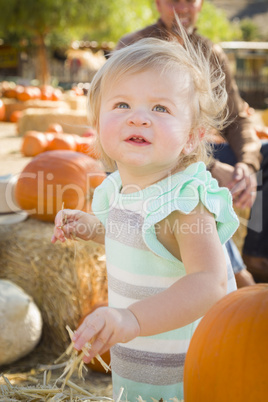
[[227, 358], [33, 143], [56, 177]]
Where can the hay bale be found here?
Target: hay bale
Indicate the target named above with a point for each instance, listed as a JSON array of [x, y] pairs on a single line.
[[13, 104], [72, 121], [64, 280], [75, 102]]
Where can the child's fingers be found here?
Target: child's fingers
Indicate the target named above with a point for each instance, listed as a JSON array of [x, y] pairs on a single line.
[[100, 345], [89, 328]]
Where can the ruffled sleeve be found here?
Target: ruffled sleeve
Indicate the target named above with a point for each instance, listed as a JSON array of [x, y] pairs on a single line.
[[183, 192], [103, 196]]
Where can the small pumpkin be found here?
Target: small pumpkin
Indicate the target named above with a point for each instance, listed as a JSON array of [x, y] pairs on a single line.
[[54, 128], [262, 132], [25, 95], [33, 143], [86, 145], [62, 141], [56, 177], [227, 357], [15, 116], [2, 110]]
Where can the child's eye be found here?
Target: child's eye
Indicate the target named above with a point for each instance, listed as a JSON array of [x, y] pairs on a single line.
[[122, 105], [159, 108]]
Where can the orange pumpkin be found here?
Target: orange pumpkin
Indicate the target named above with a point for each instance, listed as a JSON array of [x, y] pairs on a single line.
[[54, 128], [25, 95], [95, 365], [86, 145], [15, 116], [56, 95], [46, 92], [56, 177], [33, 143], [262, 132], [228, 355], [2, 110], [62, 141]]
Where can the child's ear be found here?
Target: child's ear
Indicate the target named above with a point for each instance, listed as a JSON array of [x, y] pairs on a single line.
[[190, 145], [193, 141]]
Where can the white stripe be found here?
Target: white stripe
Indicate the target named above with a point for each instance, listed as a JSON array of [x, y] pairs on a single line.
[[118, 301], [141, 280], [157, 345]]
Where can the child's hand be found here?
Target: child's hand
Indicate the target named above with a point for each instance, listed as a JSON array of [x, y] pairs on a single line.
[[104, 328], [70, 224]]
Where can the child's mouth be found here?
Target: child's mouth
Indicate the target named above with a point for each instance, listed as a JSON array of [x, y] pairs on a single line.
[[137, 140]]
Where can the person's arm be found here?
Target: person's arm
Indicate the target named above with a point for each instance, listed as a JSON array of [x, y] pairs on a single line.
[[240, 133], [71, 224], [185, 301], [239, 179], [205, 283], [241, 136]]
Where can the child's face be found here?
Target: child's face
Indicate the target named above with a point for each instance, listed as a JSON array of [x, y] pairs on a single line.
[[145, 120]]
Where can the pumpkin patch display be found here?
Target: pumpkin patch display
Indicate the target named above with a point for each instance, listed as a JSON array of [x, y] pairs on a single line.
[[227, 358], [56, 177]]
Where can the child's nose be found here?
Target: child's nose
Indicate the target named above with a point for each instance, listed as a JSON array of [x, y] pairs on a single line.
[[138, 119]]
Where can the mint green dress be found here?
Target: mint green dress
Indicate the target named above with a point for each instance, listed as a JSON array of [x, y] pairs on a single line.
[[139, 266]]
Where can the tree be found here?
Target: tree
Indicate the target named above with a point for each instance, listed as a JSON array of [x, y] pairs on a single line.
[[250, 30], [214, 24], [40, 22]]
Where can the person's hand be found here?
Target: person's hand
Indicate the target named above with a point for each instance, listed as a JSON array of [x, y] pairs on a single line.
[[104, 328], [70, 224], [241, 181]]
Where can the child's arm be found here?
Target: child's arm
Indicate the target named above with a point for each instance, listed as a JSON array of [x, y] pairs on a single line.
[[70, 224], [205, 283], [182, 303]]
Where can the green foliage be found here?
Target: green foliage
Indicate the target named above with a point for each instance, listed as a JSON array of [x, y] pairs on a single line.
[[72, 19], [250, 30], [214, 24], [113, 19]]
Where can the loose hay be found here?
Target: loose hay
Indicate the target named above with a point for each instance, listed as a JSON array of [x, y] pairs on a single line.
[[65, 280], [69, 391]]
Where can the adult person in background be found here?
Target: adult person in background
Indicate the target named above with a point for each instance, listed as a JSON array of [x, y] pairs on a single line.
[[239, 159]]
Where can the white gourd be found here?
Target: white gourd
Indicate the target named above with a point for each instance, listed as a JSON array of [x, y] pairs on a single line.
[[20, 323]]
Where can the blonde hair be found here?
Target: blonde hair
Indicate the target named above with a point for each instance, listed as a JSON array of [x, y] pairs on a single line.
[[207, 90]]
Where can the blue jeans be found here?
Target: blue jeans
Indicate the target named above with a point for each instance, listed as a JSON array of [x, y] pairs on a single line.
[[256, 241], [235, 257]]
